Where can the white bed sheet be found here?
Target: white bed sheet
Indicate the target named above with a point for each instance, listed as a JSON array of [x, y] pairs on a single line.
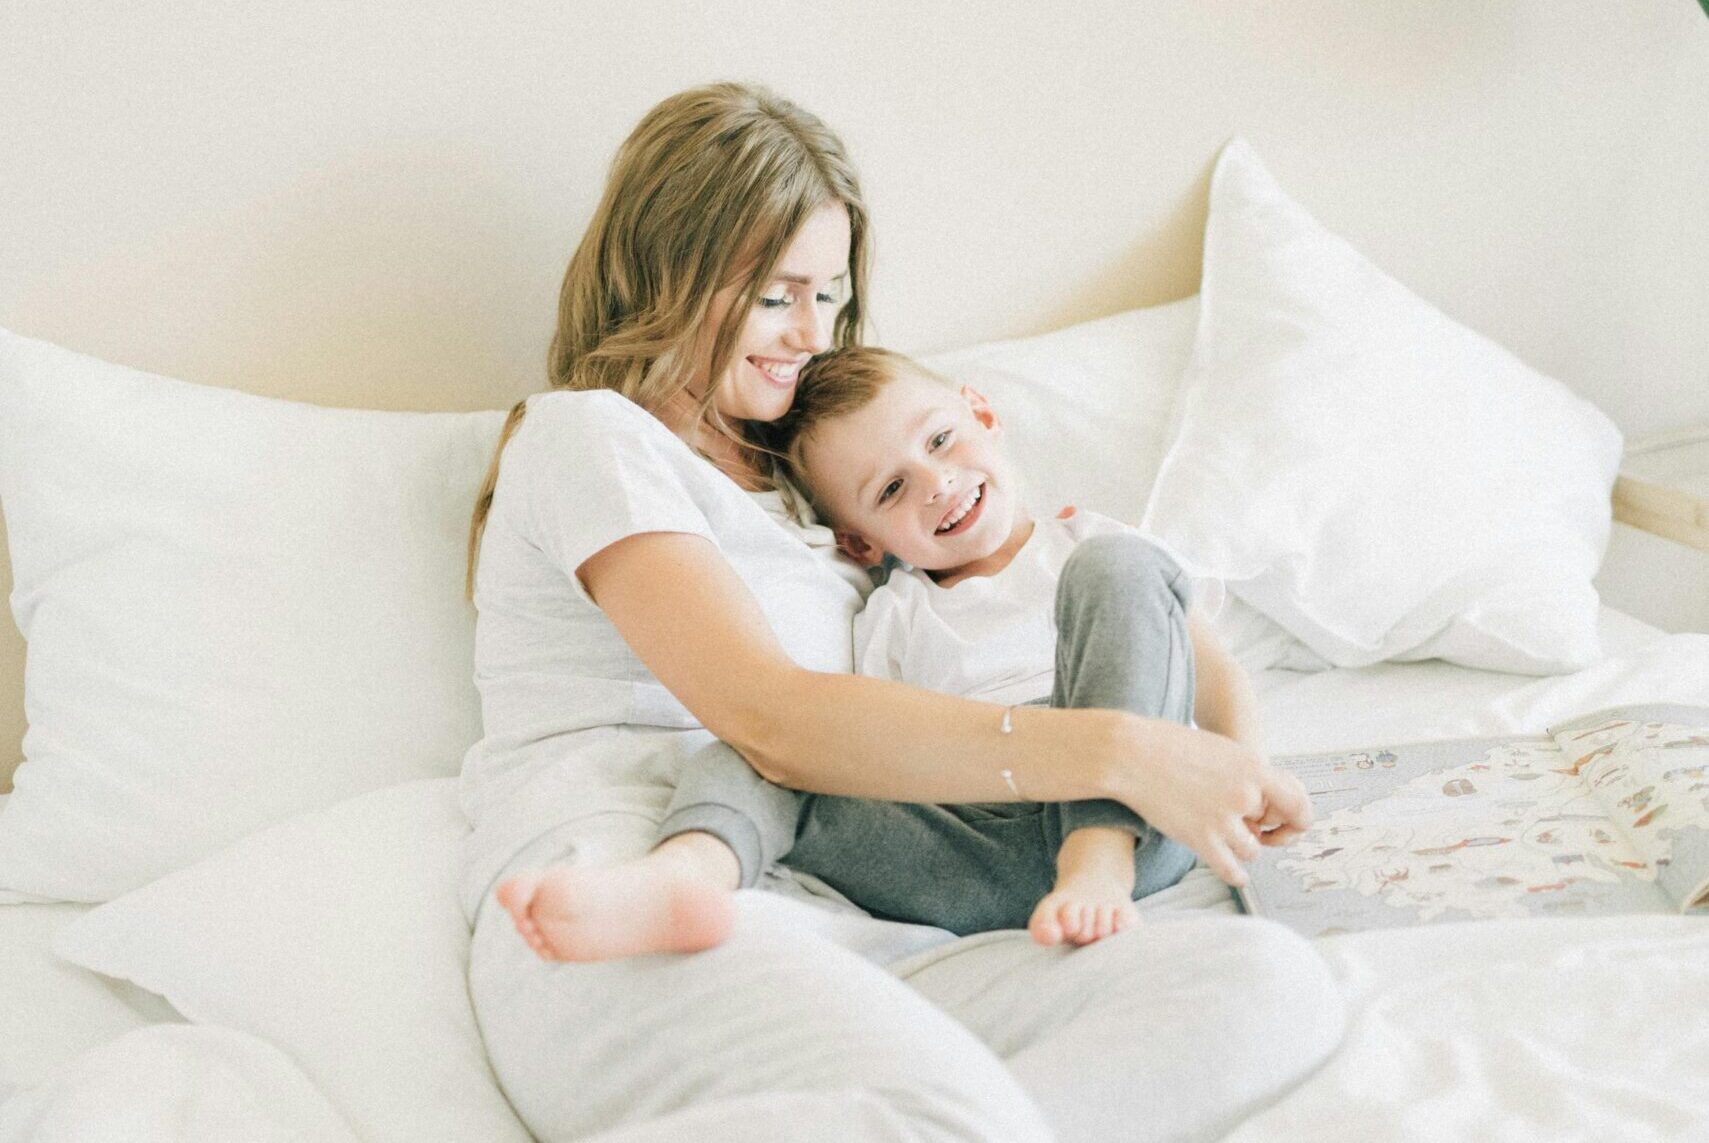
[[1545, 1029]]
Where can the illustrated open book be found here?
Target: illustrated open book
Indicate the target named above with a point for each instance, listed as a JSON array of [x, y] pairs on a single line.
[[1608, 813]]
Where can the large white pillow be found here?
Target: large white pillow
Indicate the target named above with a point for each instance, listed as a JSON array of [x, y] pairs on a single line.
[[236, 609], [1383, 482], [338, 937]]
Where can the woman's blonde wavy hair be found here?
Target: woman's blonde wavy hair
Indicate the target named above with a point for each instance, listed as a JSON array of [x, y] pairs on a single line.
[[707, 191]]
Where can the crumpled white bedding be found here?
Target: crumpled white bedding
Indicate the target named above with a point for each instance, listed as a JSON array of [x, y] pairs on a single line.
[[1546, 1029], [176, 1083]]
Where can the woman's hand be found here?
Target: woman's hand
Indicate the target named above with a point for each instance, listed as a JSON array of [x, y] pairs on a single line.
[[1215, 796]]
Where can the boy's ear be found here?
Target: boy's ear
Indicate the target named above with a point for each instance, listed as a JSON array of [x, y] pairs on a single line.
[[982, 410], [854, 546]]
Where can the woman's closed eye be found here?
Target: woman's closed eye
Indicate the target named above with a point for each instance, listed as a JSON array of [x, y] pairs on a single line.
[[778, 301]]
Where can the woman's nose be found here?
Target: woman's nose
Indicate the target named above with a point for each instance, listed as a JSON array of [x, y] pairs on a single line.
[[811, 328]]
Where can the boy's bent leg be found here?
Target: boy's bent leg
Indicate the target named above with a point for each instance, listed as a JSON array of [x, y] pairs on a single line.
[[775, 1030], [1122, 644], [717, 792], [1179, 1028], [1121, 630]]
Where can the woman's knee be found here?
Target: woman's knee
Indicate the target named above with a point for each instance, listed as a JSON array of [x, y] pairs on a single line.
[[774, 1010], [1288, 996], [1245, 1009]]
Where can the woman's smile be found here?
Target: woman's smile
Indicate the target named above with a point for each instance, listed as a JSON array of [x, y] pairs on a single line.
[[780, 371]]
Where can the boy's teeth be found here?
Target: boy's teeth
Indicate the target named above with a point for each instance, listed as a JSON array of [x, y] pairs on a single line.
[[978, 495]]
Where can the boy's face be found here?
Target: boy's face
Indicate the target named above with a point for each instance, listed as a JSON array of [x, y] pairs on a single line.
[[919, 472]]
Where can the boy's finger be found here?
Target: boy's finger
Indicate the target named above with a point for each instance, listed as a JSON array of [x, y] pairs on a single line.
[[1282, 834]]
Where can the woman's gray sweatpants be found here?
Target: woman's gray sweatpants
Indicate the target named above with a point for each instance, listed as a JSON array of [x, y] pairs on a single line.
[[1121, 622]]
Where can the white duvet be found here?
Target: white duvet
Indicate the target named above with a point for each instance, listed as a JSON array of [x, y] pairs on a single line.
[[1547, 1029]]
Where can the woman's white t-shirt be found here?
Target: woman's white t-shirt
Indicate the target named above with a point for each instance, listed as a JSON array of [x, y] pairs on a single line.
[[574, 724]]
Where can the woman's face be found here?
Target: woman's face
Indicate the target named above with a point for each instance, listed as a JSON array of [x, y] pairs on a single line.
[[790, 322]]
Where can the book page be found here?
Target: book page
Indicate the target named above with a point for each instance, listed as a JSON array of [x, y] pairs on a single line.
[[1449, 831], [1649, 767]]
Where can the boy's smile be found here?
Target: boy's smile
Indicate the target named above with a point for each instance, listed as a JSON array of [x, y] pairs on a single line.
[[919, 473]]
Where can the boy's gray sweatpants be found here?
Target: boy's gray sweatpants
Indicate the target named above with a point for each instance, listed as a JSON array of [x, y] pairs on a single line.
[[1121, 643]]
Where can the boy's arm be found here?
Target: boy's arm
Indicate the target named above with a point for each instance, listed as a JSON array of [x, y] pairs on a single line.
[[1223, 703]]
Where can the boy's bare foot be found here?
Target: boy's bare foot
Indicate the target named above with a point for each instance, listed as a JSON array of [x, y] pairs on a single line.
[[592, 912], [1083, 909]]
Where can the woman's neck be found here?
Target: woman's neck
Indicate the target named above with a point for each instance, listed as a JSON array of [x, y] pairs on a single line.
[[681, 415]]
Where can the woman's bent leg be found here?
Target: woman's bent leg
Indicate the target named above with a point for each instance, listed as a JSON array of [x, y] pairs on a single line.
[[1177, 1029], [775, 1034]]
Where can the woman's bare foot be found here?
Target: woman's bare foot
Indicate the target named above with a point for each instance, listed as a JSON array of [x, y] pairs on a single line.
[[1083, 909], [604, 912]]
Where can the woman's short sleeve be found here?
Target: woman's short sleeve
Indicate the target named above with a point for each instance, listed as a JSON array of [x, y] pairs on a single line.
[[587, 469]]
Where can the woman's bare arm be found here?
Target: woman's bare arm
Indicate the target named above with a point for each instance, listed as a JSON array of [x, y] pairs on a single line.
[[688, 616]]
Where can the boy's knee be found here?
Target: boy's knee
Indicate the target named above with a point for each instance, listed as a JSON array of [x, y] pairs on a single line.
[[1124, 560]]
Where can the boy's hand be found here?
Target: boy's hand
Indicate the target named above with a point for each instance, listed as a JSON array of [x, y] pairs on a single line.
[[1272, 827]]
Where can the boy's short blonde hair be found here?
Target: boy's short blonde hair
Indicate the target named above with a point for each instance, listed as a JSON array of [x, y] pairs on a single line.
[[832, 385]]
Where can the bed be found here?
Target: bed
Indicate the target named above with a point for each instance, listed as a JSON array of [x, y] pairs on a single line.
[[237, 569], [1558, 1029]]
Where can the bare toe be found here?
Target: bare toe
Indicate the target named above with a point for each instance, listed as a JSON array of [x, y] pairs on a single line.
[[1074, 923], [1100, 923], [517, 894], [1043, 927]]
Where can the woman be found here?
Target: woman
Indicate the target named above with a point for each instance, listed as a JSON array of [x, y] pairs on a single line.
[[640, 585]]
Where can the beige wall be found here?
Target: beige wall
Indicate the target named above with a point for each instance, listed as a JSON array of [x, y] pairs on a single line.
[[371, 204]]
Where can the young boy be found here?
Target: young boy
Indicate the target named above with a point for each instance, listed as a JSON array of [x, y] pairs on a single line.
[[1077, 611]]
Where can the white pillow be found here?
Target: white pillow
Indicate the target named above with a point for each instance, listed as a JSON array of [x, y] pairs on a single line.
[[338, 937], [1384, 483], [236, 609]]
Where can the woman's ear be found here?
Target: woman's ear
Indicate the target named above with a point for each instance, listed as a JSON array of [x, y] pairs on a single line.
[[854, 546], [982, 410]]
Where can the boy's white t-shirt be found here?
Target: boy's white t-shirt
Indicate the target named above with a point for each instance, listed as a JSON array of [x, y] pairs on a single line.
[[573, 722], [987, 637]]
